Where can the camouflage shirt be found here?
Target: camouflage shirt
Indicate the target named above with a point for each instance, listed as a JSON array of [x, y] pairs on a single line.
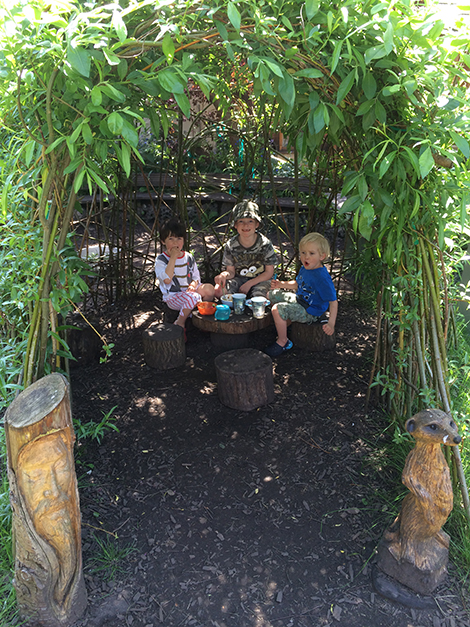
[[249, 262]]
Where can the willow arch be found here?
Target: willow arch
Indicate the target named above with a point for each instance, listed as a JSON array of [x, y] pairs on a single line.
[[379, 81]]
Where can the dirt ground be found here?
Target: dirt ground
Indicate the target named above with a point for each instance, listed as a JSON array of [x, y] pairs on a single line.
[[217, 517]]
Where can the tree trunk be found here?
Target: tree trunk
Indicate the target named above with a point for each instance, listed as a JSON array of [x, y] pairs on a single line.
[[44, 497]]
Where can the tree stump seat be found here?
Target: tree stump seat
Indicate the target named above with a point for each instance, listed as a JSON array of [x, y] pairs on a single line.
[[312, 336], [244, 379], [164, 346], [84, 341]]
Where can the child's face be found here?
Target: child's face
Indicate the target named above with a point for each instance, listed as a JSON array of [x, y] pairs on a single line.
[[246, 226], [310, 256], [172, 241]]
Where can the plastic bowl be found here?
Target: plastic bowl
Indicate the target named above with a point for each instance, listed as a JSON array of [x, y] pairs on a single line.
[[206, 309], [227, 299]]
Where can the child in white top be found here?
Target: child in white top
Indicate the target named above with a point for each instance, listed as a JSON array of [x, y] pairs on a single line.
[[178, 274]]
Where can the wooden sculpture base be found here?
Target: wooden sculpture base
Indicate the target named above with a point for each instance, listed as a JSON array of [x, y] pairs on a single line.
[[421, 581]]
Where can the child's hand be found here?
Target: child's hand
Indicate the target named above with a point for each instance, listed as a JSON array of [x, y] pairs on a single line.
[[328, 328], [192, 287], [174, 253], [275, 284]]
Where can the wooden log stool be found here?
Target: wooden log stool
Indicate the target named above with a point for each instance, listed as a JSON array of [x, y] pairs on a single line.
[[312, 336], [164, 346], [245, 379], [84, 341]]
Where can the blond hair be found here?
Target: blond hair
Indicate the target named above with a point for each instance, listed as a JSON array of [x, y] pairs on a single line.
[[318, 239]]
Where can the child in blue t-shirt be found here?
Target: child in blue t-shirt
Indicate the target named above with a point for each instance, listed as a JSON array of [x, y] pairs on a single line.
[[314, 294]]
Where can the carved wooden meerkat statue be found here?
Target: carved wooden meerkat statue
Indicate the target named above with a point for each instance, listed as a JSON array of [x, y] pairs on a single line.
[[414, 550]]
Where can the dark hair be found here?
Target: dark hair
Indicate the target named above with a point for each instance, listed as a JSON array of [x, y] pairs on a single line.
[[172, 227]]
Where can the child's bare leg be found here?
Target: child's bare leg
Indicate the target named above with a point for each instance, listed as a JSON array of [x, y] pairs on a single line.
[[181, 319], [281, 327]]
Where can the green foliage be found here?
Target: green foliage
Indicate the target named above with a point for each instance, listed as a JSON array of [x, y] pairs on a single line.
[[95, 430]]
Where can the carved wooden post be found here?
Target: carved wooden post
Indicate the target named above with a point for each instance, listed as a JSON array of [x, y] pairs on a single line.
[[44, 497]]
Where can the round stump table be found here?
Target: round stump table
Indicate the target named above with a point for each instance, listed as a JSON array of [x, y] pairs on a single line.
[[234, 332]]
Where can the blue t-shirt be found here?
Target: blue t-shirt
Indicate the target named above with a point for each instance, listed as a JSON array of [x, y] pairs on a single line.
[[316, 288]]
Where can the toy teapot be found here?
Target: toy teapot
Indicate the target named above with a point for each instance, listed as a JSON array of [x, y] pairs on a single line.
[[222, 312]]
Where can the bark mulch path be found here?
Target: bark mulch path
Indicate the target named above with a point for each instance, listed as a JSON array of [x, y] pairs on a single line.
[[205, 516]]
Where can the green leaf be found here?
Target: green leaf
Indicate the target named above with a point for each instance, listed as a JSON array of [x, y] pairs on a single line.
[[79, 59], [463, 210], [319, 117], [78, 180], [96, 96], [169, 81], [388, 38], [111, 58], [113, 93], [119, 26], [376, 52], [311, 8], [413, 160], [129, 133], [115, 123], [126, 158], [309, 73], [369, 85], [286, 89], [365, 107], [461, 143], [168, 48], [98, 180], [183, 104], [389, 90], [350, 204], [416, 204], [87, 134], [313, 99], [366, 220], [380, 112], [54, 144], [362, 187], [222, 30], [154, 122], [274, 67], [386, 163], [345, 86], [426, 162], [335, 55], [234, 16]]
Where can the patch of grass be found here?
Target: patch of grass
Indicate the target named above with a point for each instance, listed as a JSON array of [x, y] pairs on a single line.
[[110, 559]]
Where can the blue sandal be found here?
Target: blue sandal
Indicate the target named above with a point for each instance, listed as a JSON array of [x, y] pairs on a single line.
[[274, 350]]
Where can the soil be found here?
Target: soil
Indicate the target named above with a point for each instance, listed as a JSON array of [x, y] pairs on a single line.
[[202, 515]]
